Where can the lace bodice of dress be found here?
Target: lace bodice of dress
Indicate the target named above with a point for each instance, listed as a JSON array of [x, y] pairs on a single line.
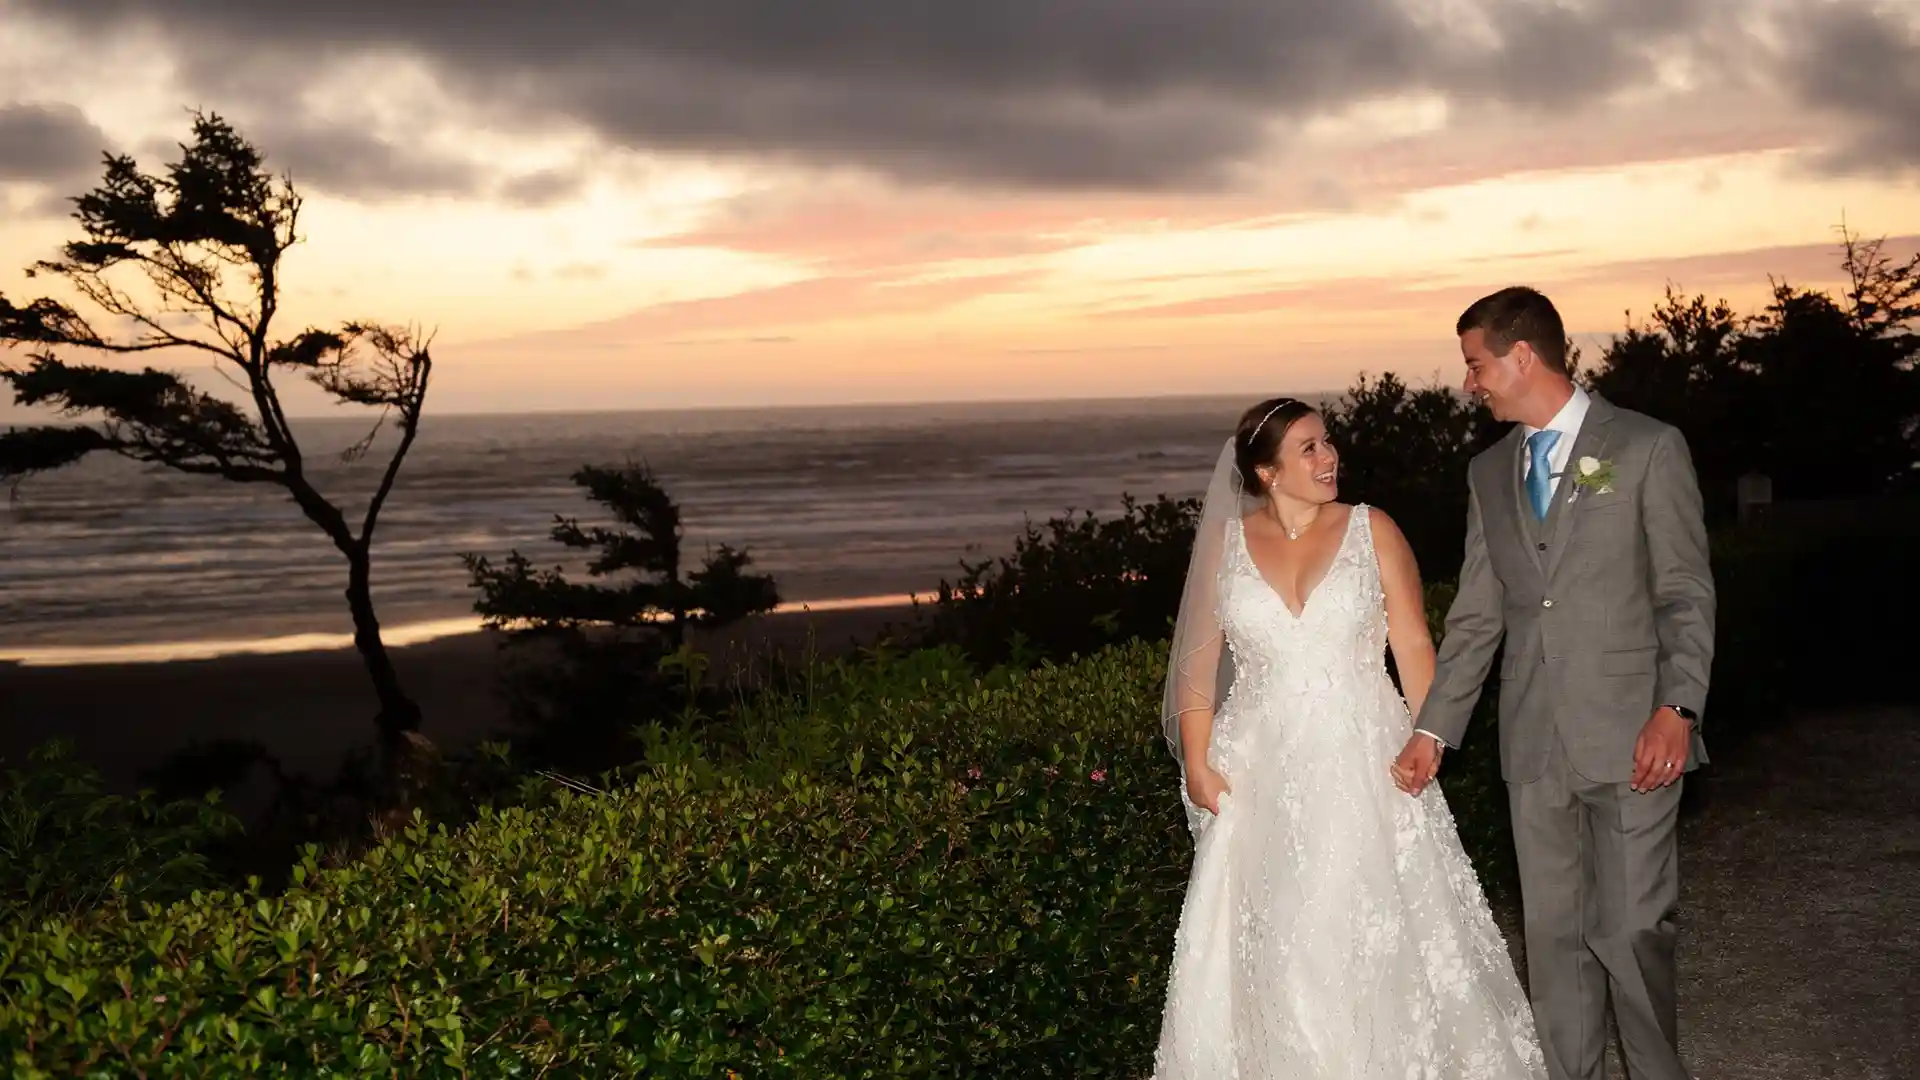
[[1339, 635]]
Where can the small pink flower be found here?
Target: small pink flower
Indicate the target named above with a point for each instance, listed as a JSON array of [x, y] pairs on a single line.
[[1098, 776], [974, 773]]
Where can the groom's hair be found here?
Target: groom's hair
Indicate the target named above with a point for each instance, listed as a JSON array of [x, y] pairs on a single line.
[[1518, 314]]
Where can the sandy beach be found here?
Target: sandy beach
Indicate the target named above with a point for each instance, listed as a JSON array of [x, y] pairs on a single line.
[[309, 708]]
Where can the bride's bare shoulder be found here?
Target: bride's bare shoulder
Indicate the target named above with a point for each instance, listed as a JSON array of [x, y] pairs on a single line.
[[1387, 536]]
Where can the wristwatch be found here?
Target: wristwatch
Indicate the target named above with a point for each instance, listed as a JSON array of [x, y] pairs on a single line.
[[1692, 718]]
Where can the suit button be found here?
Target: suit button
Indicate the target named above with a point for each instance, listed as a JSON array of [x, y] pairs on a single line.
[[1542, 547], [1546, 603]]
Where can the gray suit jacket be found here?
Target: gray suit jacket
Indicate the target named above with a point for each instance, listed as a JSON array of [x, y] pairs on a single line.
[[1606, 607]]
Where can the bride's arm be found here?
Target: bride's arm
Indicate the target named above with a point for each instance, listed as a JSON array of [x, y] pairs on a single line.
[[1407, 632]]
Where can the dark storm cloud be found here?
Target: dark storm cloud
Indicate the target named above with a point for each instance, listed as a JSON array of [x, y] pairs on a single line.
[[1861, 63], [1553, 57], [51, 144], [543, 188], [1068, 93], [350, 161]]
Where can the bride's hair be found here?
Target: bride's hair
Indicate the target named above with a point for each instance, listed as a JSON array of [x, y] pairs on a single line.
[[1257, 440]]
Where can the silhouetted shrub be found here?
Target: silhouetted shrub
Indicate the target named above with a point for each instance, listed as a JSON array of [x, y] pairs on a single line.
[[1812, 617], [1070, 587]]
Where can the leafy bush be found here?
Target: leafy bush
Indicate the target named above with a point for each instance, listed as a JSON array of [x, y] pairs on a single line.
[[892, 917], [1071, 587], [927, 874], [66, 845]]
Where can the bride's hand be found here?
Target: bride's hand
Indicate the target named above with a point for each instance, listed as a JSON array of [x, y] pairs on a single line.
[[1414, 769], [1205, 786]]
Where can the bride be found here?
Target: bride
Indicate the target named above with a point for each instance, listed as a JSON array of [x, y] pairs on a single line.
[[1332, 925]]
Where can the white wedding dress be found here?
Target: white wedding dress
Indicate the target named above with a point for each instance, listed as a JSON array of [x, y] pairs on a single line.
[[1333, 927]]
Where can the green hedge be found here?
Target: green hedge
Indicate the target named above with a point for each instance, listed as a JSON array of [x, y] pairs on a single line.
[[908, 872], [68, 845]]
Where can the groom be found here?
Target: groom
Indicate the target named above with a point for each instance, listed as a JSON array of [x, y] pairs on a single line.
[[1586, 552]]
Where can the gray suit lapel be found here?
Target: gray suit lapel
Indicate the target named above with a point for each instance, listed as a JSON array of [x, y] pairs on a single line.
[[1519, 505], [1595, 432]]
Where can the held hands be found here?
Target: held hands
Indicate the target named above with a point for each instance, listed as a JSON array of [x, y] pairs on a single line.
[[1660, 754], [1205, 786], [1417, 765]]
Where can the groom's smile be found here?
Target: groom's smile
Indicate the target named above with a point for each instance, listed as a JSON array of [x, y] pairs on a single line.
[[1489, 377]]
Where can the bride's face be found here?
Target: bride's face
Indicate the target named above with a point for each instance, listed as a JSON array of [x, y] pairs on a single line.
[[1308, 467]]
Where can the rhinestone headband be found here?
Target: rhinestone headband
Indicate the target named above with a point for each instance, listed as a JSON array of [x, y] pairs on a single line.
[[1255, 433]]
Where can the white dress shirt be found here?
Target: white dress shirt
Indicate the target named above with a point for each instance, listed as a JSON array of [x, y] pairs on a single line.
[[1567, 422]]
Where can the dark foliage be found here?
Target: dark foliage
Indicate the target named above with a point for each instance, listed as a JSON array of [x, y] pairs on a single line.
[[69, 846], [1071, 586], [1406, 451], [1818, 393]]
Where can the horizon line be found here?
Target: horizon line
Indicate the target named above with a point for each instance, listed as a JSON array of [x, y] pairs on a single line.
[[817, 406]]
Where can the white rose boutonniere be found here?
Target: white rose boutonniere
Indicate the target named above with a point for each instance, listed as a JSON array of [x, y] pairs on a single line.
[[1594, 474]]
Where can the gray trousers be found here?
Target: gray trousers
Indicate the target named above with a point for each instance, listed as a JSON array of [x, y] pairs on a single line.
[[1599, 878]]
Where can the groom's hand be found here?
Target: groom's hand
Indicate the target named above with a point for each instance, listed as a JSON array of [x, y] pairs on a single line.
[[1660, 754], [1417, 764]]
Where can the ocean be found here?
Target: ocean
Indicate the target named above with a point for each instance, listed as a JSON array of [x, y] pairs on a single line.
[[844, 506]]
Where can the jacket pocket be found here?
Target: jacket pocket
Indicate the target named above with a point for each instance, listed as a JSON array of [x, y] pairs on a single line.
[[1592, 502], [1629, 662]]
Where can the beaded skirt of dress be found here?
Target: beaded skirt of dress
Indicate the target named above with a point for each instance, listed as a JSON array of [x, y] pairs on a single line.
[[1333, 927]]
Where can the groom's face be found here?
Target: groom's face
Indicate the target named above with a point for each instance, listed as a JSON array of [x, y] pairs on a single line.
[[1495, 381]]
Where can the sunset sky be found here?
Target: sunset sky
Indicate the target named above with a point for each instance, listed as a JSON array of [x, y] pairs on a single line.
[[745, 202]]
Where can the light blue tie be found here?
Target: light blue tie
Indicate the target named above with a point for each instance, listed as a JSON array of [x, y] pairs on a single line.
[[1540, 476]]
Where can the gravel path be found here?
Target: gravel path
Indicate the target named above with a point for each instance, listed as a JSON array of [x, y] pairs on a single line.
[[1800, 941]]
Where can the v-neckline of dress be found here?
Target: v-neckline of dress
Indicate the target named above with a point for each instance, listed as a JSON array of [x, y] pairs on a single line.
[[1307, 599]]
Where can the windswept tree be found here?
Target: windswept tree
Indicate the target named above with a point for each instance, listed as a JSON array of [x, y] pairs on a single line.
[[648, 586], [187, 265], [618, 634]]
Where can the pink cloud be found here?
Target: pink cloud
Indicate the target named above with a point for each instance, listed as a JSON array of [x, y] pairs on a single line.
[[1797, 264], [800, 303], [1812, 265], [1339, 294]]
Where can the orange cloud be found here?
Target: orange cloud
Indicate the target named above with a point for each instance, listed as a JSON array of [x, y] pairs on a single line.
[[888, 229]]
